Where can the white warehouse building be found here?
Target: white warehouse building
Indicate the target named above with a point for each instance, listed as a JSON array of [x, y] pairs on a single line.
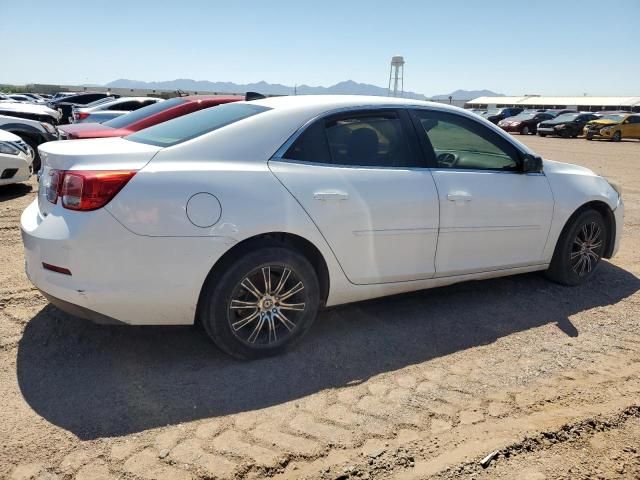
[[585, 103]]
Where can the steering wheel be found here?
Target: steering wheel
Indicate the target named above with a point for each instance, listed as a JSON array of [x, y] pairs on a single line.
[[447, 159]]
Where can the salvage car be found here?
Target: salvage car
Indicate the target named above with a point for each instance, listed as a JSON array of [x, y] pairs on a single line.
[[41, 113], [494, 115], [32, 132], [524, 123], [106, 111], [249, 217], [614, 127], [145, 117], [566, 125], [66, 103], [16, 158]]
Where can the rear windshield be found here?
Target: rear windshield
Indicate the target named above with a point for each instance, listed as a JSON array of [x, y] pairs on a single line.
[[129, 118], [195, 124]]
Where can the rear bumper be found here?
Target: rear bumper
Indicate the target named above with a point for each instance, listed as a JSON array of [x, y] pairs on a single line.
[[116, 275]]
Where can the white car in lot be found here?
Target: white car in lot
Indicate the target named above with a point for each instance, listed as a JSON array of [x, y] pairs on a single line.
[[107, 109], [249, 217], [16, 159]]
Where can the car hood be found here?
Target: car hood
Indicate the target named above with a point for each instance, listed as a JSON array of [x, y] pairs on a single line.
[[8, 136], [560, 168], [29, 108], [604, 122]]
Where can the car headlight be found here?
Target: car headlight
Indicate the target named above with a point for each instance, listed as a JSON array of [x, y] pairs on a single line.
[[9, 149], [558, 127], [615, 186], [48, 127]]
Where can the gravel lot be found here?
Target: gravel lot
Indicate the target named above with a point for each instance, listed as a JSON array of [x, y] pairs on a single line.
[[417, 386]]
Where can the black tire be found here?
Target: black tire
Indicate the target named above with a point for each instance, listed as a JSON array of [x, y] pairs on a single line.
[[525, 130], [220, 292], [542, 134], [617, 136], [565, 133], [567, 266], [589, 136]]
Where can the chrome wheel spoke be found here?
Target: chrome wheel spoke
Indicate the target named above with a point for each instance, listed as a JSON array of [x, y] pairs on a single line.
[[256, 331], [298, 287], [251, 288], [285, 321], [266, 276], [241, 304], [283, 279], [273, 336], [246, 320], [298, 307]]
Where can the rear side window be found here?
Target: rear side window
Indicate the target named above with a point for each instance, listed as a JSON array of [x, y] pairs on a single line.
[[195, 124], [375, 139]]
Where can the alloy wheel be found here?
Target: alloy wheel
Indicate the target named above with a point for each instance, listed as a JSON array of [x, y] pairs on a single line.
[[586, 249], [266, 305]]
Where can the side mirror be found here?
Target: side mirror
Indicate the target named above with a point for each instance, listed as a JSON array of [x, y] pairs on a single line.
[[531, 164]]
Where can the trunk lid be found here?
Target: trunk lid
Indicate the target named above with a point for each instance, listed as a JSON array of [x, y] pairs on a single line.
[[92, 154]]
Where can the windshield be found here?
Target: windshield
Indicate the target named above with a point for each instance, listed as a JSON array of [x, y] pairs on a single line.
[[614, 117], [98, 102], [493, 111], [566, 117], [524, 116], [195, 124], [130, 118]]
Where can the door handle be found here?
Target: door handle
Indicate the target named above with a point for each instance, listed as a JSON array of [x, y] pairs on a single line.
[[325, 196], [459, 197]]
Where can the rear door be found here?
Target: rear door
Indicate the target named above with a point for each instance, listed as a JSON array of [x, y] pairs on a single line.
[[361, 177], [492, 216]]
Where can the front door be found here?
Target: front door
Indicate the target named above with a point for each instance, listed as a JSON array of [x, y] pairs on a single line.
[[361, 178], [492, 216]]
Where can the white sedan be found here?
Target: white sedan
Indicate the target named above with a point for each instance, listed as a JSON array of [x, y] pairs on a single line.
[[16, 159], [249, 217]]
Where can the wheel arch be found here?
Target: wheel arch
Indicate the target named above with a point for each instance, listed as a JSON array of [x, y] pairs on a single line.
[[271, 239], [607, 214]]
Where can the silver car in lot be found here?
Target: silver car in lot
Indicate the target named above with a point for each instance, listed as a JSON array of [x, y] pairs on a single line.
[[102, 111]]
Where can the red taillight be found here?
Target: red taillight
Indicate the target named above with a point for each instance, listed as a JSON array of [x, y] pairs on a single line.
[[80, 115], [86, 189]]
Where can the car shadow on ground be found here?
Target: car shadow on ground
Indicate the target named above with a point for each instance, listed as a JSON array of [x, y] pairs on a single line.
[[15, 190], [101, 381]]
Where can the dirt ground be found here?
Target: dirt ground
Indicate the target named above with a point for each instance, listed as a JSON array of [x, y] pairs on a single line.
[[545, 378]]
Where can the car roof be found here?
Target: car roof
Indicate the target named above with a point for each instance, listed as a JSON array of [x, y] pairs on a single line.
[[324, 103]]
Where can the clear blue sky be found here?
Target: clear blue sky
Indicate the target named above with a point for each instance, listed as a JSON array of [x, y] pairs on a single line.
[[557, 47]]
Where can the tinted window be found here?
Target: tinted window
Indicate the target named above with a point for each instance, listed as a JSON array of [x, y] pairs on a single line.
[[454, 141], [129, 118], [357, 139], [634, 119], [195, 124], [126, 106]]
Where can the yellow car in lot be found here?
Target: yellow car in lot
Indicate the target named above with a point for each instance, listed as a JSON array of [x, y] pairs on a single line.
[[614, 127]]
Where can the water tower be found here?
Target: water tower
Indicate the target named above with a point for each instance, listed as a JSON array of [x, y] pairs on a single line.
[[396, 74]]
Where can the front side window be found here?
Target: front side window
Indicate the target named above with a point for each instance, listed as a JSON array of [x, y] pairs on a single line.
[[453, 141], [193, 125], [358, 139]]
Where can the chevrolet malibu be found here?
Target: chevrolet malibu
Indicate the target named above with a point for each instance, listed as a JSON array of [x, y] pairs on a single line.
[[249, 217]]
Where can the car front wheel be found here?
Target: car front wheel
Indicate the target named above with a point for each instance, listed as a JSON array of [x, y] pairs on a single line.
[[262, 304], [579, 249]]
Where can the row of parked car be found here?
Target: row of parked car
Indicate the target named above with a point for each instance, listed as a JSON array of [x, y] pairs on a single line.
[[23, 128], [565, 123]]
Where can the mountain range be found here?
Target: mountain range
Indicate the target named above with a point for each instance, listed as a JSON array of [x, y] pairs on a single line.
[[348, 87]]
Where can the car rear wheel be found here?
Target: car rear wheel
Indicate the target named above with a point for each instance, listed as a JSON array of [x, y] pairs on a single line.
[[565, 133], [589, 136], [579, 249], [616, 136], [525, 130], [262, 304], [542, 134]]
